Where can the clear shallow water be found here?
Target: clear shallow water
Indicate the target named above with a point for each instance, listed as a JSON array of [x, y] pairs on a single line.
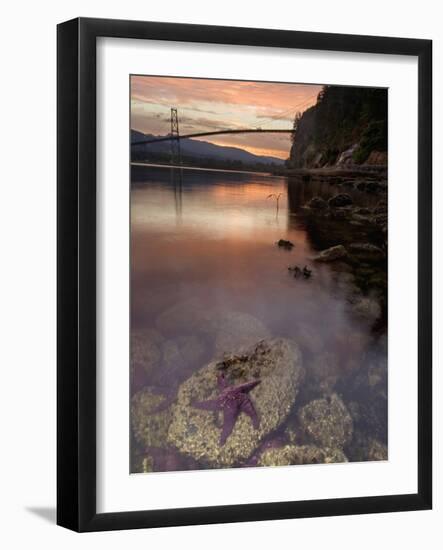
[[209, 237]]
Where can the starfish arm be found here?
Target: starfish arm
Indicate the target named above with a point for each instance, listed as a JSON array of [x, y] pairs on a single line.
[[248, 386], [209, 405], [248, 408], [221, 381], [229, 418]]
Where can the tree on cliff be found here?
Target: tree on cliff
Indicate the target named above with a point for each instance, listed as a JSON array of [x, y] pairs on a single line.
[[295, 124], [343, 116]]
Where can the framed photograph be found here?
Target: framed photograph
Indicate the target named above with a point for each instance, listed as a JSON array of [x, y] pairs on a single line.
[[244, 274]]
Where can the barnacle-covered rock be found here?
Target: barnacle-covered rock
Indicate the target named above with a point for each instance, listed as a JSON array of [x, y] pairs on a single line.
[[366, 449], [195, 432], [342, 199], [182, 352], [367, 251], [142, 464], [146, 356], [150, 417], [317, 203], [332, 254], [376, 450], [238, 330], [326, 422], [145, 349], [300, 454], [366, 307], [322, 372]]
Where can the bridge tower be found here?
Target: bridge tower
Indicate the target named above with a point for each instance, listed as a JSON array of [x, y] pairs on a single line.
[[176, 157]]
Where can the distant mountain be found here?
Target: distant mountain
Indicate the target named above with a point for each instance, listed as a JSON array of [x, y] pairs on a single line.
[[196, 149]]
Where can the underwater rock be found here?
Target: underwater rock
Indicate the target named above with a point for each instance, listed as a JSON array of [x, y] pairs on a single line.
[[238, 330], [142, 464], [322, 372], [362, 211], [342, 199], [366, 308], [188, 316], [376, 450], [194, 432], [332, 254], [150, 422], [297, 272], [366, 251], [182, 353], [359, 219], [317, 203], [340, 213], [145, 349], [366, 449], [300, 454], [309, 339], [145, 357], [161, 459], [327, 422]]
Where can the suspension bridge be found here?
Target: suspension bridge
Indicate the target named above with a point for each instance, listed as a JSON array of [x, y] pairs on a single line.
[[174, 137]]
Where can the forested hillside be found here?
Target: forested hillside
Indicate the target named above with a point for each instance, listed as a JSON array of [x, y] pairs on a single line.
[[348, 125]]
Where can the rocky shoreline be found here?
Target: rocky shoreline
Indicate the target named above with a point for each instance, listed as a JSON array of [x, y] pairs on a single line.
[[300, 421], [350, 225]]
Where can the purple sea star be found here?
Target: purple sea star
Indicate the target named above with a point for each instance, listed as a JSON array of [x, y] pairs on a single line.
[[232, 401]]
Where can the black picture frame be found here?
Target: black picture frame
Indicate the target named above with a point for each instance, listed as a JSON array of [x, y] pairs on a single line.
[[76, 280]]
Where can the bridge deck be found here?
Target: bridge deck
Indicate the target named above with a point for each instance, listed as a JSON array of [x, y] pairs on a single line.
[[216, 133]]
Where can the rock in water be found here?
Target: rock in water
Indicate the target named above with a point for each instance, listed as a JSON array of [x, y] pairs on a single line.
[[300, 454], [145, 349], [239, 330], [367, 252], [188, 317], [182, 353], [150, 422], [366, 308], [342, 199], [331, 254], [287, 245], [366, 449], [194, 432], [317, 203], [327, 422], [146, 352]]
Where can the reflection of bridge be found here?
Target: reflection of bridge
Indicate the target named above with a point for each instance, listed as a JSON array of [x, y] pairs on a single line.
[[174, 137]]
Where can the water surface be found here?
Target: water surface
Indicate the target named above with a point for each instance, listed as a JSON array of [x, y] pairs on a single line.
[[209, 237]]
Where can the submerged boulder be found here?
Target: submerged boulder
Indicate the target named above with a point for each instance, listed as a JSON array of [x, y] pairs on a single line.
[[182, 353], [366, 307], [196, 433], [300, 454], [342, 199], [150, 417], [238, 330], [367, 251], [331, 254], [287, 245], [188, 316], [326, 422], [363, 448], [317, 203], [145, 349]]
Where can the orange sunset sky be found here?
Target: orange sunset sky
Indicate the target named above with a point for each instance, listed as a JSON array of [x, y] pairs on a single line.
[[205, 105]]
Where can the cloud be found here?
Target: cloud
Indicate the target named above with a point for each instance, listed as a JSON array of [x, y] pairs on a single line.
[[205, 105]]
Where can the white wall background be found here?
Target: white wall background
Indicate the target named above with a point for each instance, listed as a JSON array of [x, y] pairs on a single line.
[[27, 275]]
